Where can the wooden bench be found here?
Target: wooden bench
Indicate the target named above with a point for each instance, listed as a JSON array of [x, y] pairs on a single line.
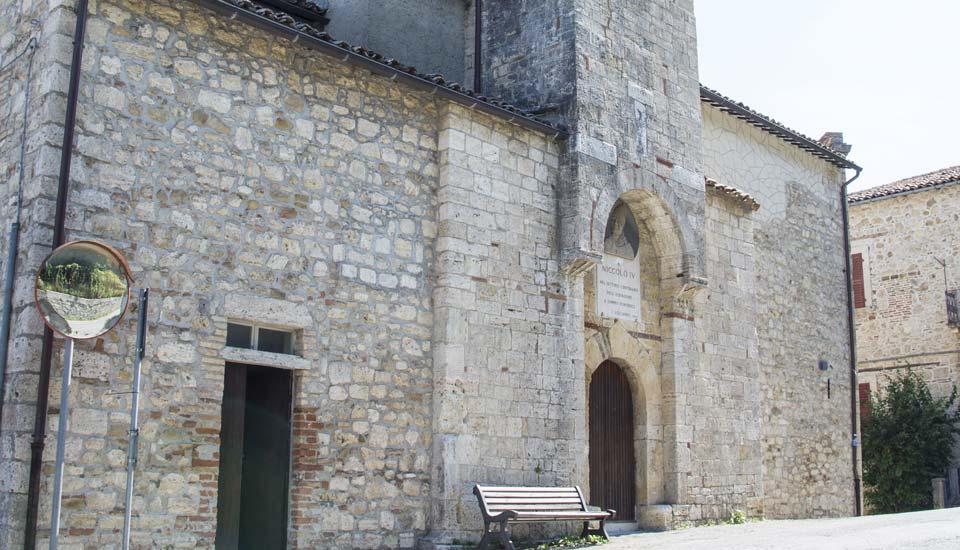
[[506, 505]]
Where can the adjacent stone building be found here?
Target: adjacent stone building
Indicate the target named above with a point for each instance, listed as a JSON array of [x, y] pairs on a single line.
[[903, 240], [407, 287]]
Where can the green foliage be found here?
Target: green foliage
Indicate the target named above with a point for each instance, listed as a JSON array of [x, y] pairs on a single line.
[[568, 542], [572, 542], [907, 441], [92, 281], [737, 517]]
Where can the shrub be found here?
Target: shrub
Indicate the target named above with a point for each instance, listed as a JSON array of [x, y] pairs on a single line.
[[86, 280], [737, 517], [907, 441]]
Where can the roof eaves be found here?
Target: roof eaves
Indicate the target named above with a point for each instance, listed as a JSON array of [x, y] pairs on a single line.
[[748, 115], [304, 9], [734, 193], [853, 201], [925, 182], [282, 23]]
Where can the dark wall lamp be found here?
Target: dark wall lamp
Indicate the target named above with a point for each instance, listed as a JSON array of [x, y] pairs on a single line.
[[825, 366]]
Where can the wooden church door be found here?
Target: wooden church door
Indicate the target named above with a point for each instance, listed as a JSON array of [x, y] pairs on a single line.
[[254, 458], [612, 462]]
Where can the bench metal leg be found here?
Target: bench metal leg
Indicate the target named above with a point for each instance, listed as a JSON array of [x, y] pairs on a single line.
[[489, 535], [602, 531], [505, 541]]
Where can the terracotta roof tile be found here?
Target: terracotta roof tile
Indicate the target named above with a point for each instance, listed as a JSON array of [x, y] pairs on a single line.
[[933, 179], [734, 193], [307, 9]]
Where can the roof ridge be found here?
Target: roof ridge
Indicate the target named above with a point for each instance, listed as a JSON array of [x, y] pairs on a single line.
[[930, 173]]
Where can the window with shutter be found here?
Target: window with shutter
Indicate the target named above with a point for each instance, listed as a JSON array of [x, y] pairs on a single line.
[[859, 295]]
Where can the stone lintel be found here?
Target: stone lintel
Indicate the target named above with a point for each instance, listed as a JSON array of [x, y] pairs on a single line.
[[264, 358], [598, 149], [266, 311]]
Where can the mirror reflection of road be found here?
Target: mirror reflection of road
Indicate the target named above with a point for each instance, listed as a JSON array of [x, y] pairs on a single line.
[[80, 317], [94, 326]]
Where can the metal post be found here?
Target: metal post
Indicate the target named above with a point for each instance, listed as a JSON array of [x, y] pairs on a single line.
[[132, 451], [478, 46], [61, 441], [10, 271]]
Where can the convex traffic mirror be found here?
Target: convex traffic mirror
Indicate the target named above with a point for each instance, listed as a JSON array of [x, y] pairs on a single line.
[[82, 289]]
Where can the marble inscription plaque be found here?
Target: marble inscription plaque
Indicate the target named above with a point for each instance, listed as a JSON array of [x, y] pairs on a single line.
[[618, 288]]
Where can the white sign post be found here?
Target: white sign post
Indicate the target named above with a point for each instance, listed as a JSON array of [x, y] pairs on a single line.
[[81, 291]]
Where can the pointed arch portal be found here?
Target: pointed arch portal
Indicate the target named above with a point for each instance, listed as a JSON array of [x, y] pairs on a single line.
[[612, 459]]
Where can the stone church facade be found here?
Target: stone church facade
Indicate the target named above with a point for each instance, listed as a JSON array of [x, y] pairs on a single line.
[[441, 270]]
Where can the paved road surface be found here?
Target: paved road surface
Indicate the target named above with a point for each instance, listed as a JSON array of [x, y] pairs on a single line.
[[934, 530]]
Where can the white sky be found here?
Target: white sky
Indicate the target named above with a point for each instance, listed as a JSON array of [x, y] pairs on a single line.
[[886, 73]]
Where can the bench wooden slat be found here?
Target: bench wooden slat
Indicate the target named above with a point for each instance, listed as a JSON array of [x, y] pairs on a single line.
[[533, 505], [531, 495], [487, 490], [530, 504], [521, 500], [502, 507], [519, 505], [562, 515]]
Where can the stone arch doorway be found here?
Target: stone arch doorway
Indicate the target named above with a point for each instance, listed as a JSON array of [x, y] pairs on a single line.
[[612, 457], [654, 348]]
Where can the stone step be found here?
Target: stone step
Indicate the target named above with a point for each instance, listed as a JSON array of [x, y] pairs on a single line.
[[617, 528]]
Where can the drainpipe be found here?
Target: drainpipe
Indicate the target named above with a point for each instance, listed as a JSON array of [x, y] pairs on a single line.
[[46, 355], [852, 334], [478, 46], [13, 240]]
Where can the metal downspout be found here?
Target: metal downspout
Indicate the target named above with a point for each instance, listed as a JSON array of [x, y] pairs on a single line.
[[852, 332], [13, 240], [46, 355], [478, 46]]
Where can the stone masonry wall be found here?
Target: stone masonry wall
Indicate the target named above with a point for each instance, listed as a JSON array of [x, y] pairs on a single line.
[[801, 312], [246, 179], [725, 391], [262, 170], [722, 394], [904, 324], [250, 180], [430, 262], [637, 122], [529, 53], [51, 23], [636, 139], [428, 34], [508, 385]]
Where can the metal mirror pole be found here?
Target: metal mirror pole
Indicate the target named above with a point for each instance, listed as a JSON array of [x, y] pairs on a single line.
[[132, 451], [61, 441]]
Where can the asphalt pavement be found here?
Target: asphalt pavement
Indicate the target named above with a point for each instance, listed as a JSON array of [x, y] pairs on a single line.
[[933, 530]]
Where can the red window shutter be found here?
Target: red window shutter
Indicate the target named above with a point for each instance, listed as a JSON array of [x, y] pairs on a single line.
[[859, 296], [864, 403]]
